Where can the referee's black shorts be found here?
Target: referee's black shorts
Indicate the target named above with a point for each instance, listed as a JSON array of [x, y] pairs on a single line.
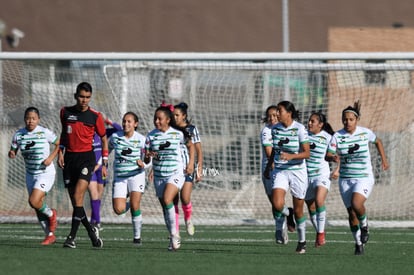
[[78, 166]]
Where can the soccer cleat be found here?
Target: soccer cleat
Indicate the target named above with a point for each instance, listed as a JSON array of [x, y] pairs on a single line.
[[69, 243], [94, 236], [98, 243], [190, 227], [320, 239], [291, 220], [137, 242], [364, 234], [170, 247], [53, 221], [50, 239], [97, 225], [301, 248], [359, 249], [175, 242], [279, 238]]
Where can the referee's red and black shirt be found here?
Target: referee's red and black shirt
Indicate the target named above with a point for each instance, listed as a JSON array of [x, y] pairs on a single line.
[[79, 127]]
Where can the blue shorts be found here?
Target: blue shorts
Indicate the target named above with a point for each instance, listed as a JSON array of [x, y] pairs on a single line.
[[189, 178]]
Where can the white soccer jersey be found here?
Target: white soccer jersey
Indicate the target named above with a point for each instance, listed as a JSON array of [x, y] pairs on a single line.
[[266, 140], [288, 140], [35, 148], [353, 150], [316, 164], [127, 152], [168, 148]]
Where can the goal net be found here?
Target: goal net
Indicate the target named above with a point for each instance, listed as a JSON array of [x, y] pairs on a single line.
[[227, 95]]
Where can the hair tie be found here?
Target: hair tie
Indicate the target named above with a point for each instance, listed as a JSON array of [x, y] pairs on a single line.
[[169, 106]]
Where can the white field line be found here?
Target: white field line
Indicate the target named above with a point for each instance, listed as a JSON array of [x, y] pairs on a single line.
[[200, 240], [18, 232]]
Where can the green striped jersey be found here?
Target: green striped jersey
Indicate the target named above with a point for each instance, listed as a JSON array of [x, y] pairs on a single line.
[[127, 152], [35, 148], [353, 150], [168, 148], [316, 164], [289, 140]]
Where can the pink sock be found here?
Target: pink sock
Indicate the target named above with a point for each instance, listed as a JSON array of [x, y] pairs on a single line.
[[177, 217], [188, 210]]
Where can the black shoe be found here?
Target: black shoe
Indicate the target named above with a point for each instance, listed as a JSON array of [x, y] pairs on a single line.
[[359, 249], [137, 242], [364, 234], [69, 243], [94, 236], [291, 220], [301, 248]]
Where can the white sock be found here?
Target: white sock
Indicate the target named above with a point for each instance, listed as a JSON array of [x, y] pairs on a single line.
[[171, 220], [321, 217], [285, 210], [136, 226], [301, 227], [357, 237]]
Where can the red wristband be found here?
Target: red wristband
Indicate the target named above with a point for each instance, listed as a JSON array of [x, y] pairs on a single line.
[[105, 153]]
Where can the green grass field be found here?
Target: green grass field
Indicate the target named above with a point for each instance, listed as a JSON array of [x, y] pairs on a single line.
[[212, 250]]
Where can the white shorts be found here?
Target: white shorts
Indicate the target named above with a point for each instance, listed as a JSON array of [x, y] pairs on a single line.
[[160, 183], [315, 182], [296, 180], [43, 181], [347, 187], [122, 187]]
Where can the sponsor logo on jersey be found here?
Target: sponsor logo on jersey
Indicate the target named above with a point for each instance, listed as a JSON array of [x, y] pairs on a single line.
[[72, 118]]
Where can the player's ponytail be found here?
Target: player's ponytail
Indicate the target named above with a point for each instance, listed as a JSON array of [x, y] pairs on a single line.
[[356, 109]]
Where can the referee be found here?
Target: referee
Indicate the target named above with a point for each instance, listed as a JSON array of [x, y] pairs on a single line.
[[77, 159]]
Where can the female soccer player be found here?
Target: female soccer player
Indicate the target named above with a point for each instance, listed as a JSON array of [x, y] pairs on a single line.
[[181, 119], [164, 146], [34, 143], [349, 147], [270, 120], [290, 149], [129, 171], [320, 133], [97, 183]]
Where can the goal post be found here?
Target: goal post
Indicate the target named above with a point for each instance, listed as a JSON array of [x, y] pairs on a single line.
[[227, 94]]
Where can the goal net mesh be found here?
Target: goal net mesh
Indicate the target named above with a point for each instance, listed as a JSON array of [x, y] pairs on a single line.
[[227, 100]]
